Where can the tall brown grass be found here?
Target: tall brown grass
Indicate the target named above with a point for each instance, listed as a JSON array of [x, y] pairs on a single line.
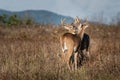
[[33, 53]]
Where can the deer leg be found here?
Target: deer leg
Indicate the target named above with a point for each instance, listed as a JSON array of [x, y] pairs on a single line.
[[81, 57], [75, 59], [68, 58], [88, 54], [68, 62], [63, 57]]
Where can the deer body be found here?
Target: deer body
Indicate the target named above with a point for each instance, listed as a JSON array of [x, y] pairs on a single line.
[[69, 39], [70, 44], [85, 42], [84, 48]]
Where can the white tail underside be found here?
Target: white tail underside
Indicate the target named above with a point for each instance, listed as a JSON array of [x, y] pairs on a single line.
[[64, 48]]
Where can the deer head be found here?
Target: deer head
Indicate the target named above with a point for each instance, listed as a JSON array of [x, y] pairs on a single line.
[[85, 24], [70, 27]]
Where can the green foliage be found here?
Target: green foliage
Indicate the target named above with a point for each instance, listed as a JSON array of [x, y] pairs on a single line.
[[3, 19], [14, 20], [28, 21]]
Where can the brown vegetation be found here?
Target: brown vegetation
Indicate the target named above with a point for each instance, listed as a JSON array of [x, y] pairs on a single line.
[[33, 53]]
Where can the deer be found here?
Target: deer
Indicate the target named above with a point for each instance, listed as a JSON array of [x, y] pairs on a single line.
[[83, 51], [70, 43], [84, 47]]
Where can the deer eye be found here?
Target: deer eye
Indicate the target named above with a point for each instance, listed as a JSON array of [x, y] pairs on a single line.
[[82, 25], [73, 27]]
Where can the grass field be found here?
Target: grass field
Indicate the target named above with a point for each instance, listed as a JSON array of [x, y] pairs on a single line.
[[33, 53]]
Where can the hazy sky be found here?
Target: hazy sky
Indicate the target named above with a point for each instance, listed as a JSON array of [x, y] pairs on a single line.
[[81, 8]]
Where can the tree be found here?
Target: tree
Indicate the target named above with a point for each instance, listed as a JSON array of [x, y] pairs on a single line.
[[13, 20], [29, 21], [3, 19]]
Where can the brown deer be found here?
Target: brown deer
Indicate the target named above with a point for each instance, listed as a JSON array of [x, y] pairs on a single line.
[[85, 40], [84, 47], [70, 43]]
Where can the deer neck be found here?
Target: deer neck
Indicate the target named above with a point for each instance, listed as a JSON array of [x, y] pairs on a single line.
[[81, 33]]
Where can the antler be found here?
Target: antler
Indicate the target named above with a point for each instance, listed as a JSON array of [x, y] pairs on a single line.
[[86, 19], [86, 23], [63, 21], [77, 20]]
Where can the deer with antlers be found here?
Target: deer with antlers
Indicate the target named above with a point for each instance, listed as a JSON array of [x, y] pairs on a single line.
[[71, 42]]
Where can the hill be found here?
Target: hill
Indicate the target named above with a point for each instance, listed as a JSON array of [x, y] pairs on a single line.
[[39, 16]]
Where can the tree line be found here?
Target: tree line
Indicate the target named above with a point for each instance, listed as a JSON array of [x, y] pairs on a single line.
[[14, 20]]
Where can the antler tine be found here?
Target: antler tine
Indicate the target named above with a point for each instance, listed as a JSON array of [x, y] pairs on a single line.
[[62, 21], [77, 19], [86, 19]]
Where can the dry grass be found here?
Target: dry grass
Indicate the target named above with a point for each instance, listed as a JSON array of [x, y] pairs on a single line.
[[32, 53]]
